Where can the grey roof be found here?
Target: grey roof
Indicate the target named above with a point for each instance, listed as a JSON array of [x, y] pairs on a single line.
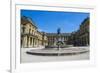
[[55, 34]]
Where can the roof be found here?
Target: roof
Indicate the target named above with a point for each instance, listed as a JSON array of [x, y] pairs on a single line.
[[25, 20], [54, 34], [86, 19]]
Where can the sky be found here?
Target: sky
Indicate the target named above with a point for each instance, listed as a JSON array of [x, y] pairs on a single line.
[[50, 21]]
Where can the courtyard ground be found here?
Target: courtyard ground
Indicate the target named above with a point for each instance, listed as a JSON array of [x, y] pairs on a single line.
[[28, 58]]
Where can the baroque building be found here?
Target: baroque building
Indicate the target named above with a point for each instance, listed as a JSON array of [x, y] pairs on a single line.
[[52, 38], [30, 36], [81, 36], [84, 32]]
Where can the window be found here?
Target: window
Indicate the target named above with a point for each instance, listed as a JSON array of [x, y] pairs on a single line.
[[23, 29]]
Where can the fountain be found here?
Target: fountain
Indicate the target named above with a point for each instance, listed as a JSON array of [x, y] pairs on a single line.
[[59, 51]]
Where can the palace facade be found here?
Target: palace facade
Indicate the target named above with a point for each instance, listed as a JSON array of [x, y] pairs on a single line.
[[84, 32], [53, 38], [81, 36], [31, 37]]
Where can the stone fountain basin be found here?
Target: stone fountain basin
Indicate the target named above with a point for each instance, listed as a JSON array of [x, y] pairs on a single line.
[[55, 52]]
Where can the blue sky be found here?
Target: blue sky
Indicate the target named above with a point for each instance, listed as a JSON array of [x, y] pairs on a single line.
[[50, 21]]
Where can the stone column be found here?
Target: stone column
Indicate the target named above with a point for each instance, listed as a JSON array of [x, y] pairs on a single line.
[[33, 42], [24, 41], [27, 41], [21, 42]]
